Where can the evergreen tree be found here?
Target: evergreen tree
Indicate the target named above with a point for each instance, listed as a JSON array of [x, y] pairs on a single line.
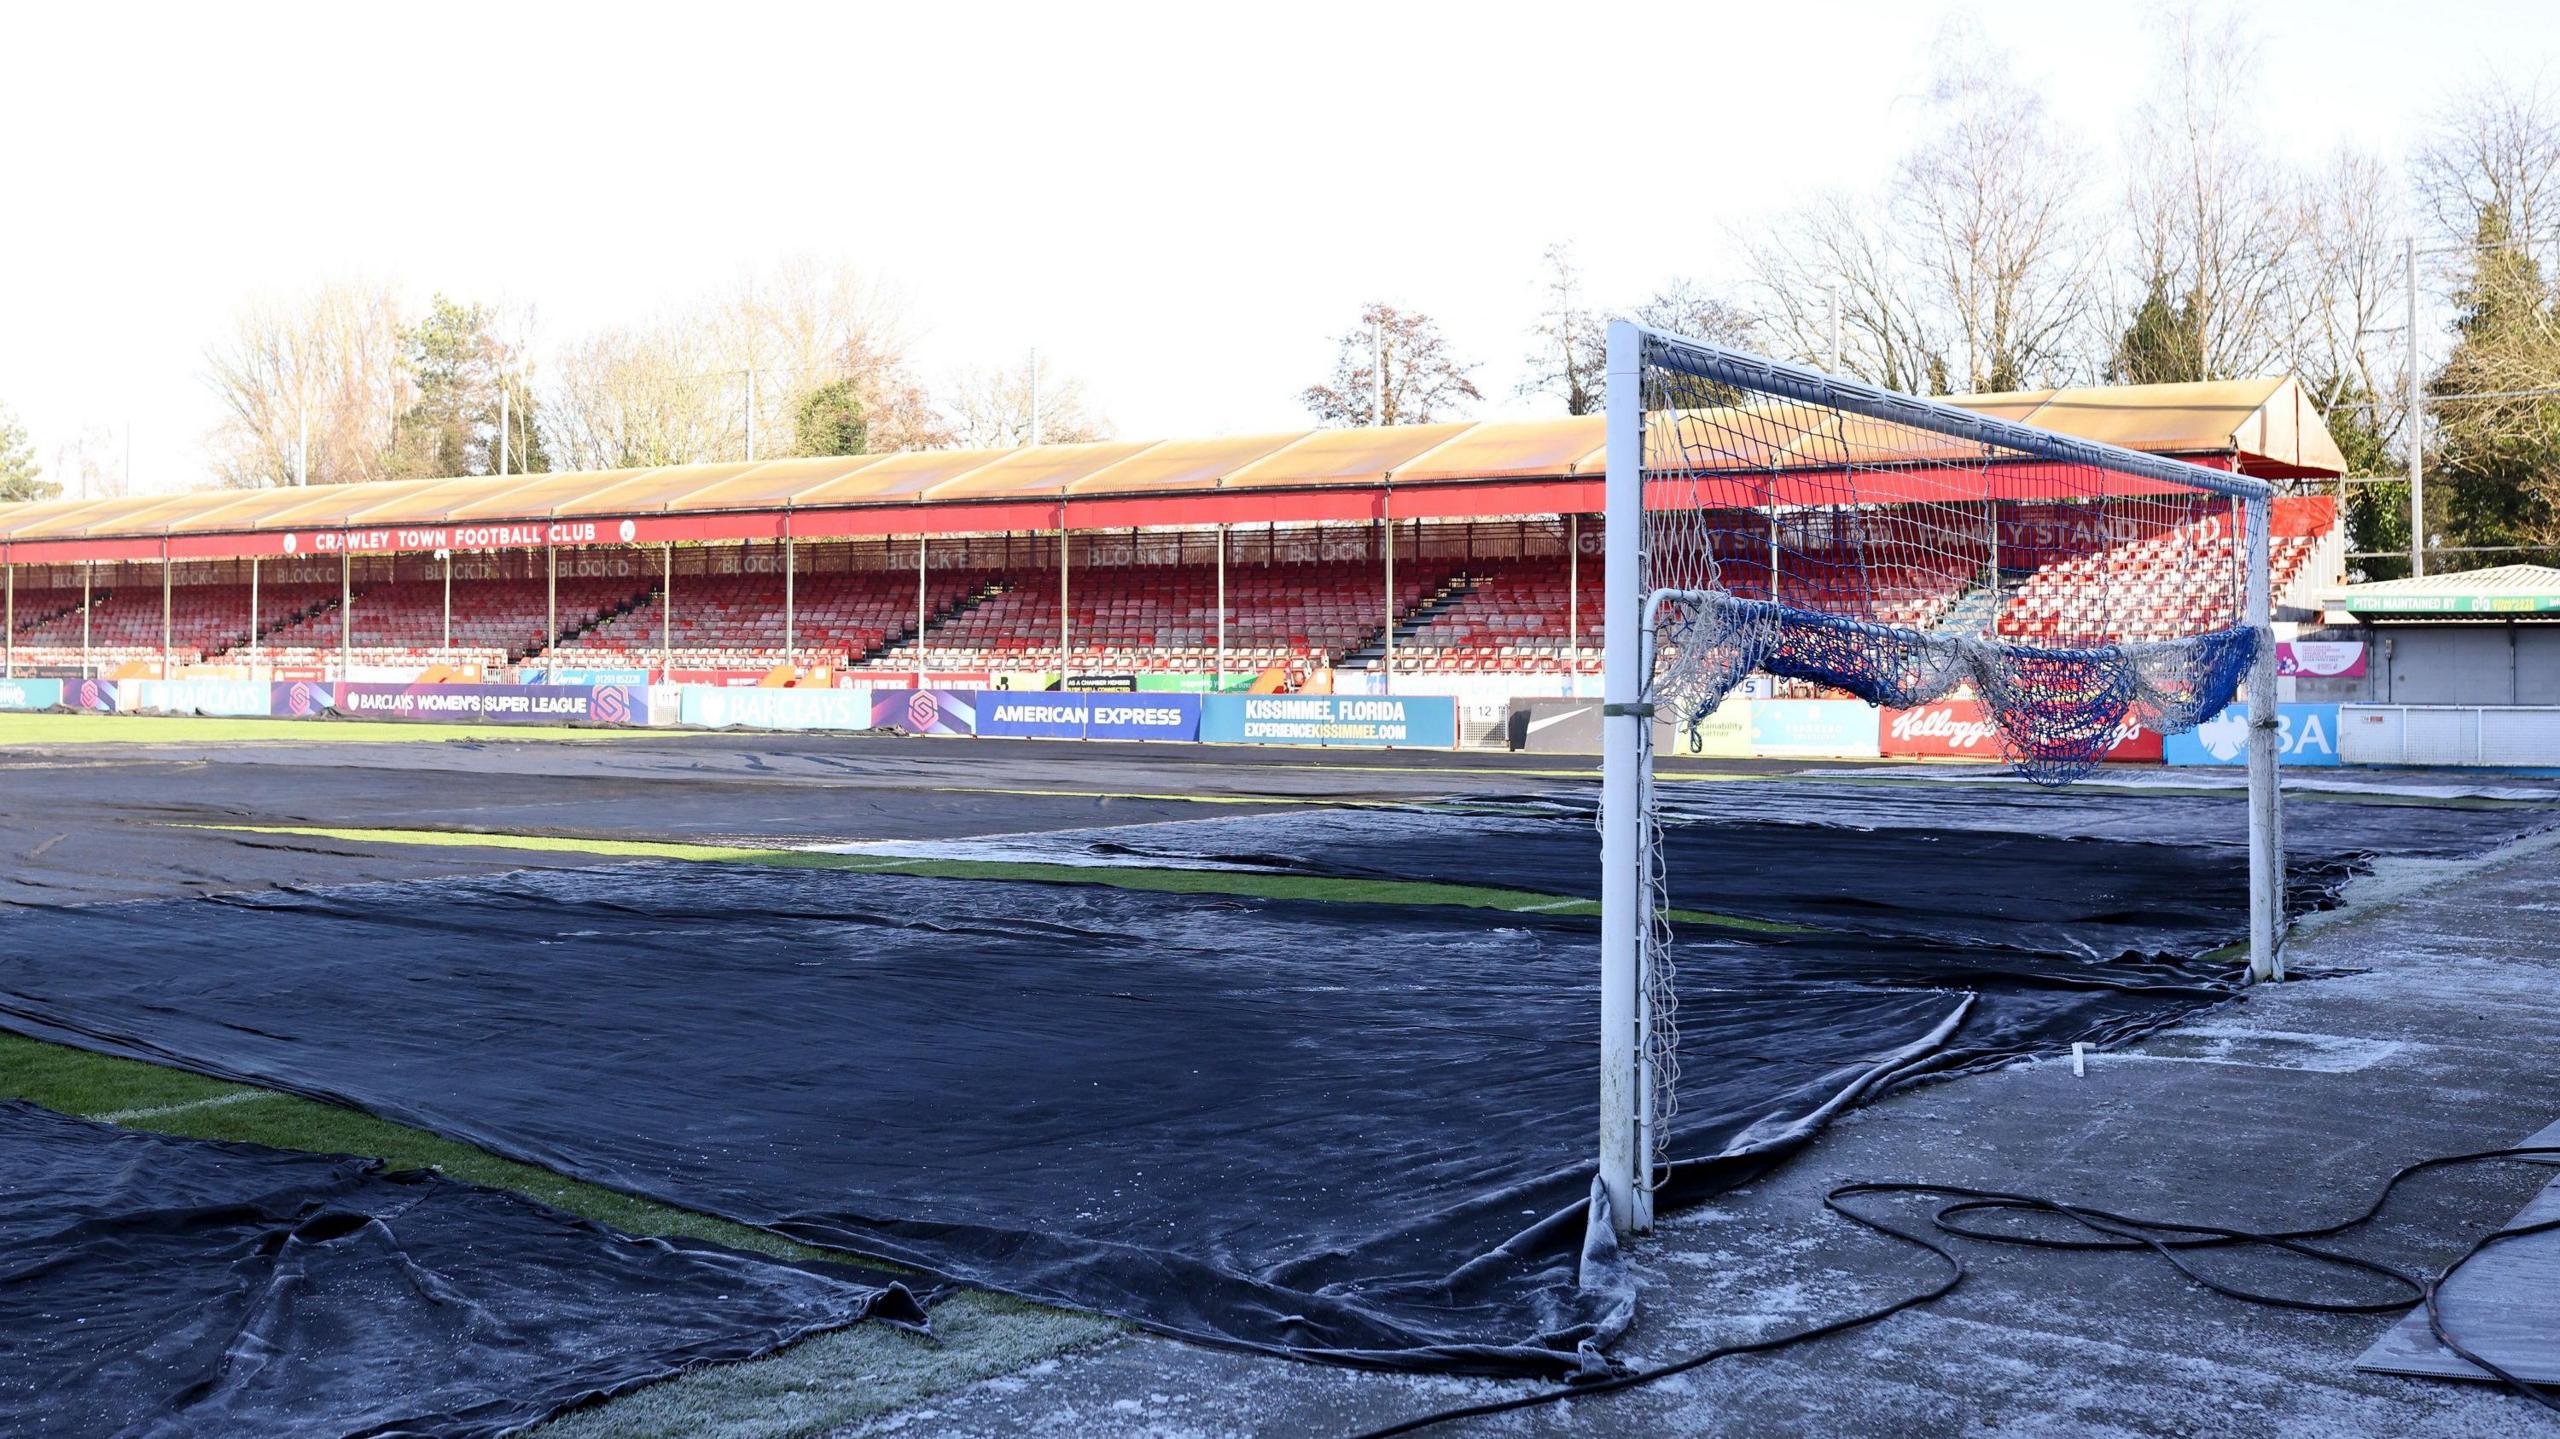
[[459, 369], [20, 477], [2494, 464], [829, 421], [2162, 344], [2378, 512]]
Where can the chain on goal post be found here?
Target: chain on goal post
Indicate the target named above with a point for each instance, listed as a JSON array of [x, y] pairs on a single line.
[[1767, 518]]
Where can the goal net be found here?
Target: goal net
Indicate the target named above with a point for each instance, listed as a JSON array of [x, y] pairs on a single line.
[[1844, 539]]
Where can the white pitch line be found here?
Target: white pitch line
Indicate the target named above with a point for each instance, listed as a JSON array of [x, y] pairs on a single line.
[[1543, 908], [162, 1111]]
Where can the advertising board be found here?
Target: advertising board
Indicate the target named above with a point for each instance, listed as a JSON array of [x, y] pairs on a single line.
[[501, 704], [1961, 729], [300, 699], [2306, 734], [97, 695], [232, 698], [1813, 729], [722, 706], [30, 694], [1413, 721], [925, 711]]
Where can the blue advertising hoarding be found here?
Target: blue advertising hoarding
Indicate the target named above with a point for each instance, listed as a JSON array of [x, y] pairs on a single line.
[[1412, 721], [231, 698], [587, 675], [30, 694], [1143, 716], [1017, 714], [1032, 714], [1813, 728], [2306, 734], [721, 706]]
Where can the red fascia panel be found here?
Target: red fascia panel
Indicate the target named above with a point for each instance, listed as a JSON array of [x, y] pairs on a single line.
[[1472, 500], [872, 521], [1226, 507], [55, 552], [225, 547]]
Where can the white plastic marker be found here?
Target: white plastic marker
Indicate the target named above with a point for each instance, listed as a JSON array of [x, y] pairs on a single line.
[[2079, 1059]]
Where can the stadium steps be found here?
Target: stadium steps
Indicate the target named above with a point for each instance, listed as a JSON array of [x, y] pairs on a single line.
[[881, 653], [1440, 602], [1970, 615], [282, 621], [593, 622]]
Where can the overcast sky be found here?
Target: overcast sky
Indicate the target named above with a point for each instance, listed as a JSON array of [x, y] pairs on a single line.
[[1179, 204]]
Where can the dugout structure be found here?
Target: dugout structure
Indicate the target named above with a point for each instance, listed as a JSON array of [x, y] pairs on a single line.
[[1759, 519]]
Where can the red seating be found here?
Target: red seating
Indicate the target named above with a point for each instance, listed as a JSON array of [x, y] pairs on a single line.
[[1163, 618], [736, 621]]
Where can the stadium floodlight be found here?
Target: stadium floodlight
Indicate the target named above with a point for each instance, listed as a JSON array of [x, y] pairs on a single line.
[[1767, 517]]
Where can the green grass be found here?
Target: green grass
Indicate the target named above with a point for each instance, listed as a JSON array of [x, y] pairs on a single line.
[[86, 729], [811, 1388], [1245, 883]]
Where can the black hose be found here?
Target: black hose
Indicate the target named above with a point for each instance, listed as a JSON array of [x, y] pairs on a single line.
[[2164, 1237]]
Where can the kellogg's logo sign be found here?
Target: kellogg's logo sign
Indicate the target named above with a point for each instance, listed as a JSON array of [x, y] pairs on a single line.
[[1961, 729]]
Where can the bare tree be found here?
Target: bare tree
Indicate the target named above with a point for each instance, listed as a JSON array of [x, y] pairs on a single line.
[[992, 407], [91, 464], [1686, 307], [2495, 436], [1423, 380], [2349, 350], [2214, 223], [1969, 272], [1988, 200], [1837, 267], [2495, 146], [734, 372], [653, 394], [330, 361], [1568, 354], [1568, 351]]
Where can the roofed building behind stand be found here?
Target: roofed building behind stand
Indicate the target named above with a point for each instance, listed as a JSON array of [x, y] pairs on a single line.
[[1184, 557]]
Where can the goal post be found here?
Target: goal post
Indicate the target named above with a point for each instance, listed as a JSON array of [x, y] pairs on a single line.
[[1767, 518]]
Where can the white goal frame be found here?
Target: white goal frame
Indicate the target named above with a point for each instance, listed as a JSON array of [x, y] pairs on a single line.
[[1629, 1147]]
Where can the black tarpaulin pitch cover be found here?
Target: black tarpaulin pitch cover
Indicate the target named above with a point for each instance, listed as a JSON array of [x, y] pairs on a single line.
[[2099, 877], [170, 1287], [1353, 1132]]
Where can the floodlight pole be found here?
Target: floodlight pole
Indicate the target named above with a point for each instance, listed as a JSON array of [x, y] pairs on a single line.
[[168, 627], [1626, 728], [1220, 684], [9, 622], [254, 636], [1063, 621], [346, 612], [2266, 847], [1572, 601], [1387, 534], [2417, 426]]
